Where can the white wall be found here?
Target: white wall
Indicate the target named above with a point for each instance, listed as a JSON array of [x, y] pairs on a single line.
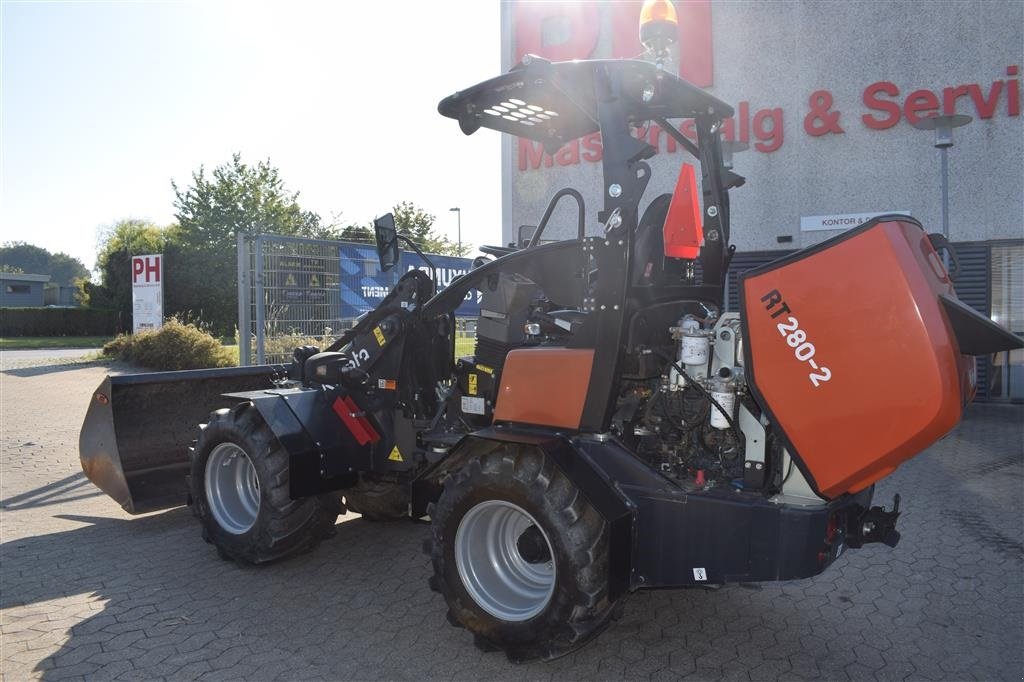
[[776, 55]]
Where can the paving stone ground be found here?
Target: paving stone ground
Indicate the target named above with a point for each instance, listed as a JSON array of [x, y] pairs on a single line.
[[88, 592]]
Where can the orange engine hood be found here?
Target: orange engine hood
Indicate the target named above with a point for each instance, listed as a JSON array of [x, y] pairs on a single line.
[[850, 348]]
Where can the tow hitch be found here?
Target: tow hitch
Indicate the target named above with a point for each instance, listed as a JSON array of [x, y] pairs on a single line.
[[874, 525]]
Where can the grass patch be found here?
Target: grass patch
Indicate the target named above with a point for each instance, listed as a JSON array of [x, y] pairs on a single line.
[[42, 342], [232, 350]]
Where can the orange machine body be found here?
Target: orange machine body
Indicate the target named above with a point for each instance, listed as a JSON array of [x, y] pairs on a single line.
[[849, 349], [544, 386]]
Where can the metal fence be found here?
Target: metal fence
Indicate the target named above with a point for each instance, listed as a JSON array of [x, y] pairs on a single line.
[[290, 294]]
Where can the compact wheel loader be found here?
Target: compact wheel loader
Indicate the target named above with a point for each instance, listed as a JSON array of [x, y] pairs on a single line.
[[616, 428]]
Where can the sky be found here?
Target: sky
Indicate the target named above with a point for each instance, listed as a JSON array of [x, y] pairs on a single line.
[[102, 104]]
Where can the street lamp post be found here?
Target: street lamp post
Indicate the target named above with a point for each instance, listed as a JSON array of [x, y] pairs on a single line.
[[943, 127], [458, 213]]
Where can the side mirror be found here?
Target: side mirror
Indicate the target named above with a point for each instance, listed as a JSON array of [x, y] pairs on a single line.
[[387, 241]]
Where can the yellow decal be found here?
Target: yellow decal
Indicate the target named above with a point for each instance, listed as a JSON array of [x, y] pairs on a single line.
[[395, 455], [289, 281], [314, 281], [380, 336], [472, 384], [485, 368]]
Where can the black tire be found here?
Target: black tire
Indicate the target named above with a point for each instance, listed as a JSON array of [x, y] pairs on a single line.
[[378, 501], [577, 535], [283, 527]]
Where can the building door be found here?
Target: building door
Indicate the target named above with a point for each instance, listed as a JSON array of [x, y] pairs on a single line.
[[1006, 377]]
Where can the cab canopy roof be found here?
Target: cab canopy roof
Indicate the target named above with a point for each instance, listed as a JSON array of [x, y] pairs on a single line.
[[556, 102]]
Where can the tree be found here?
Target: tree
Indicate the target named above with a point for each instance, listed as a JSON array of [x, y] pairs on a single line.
[[415, 223], [238, 198], [118, 243], [418, 225], [83, 292], [235, 198], [21, 257], [357, 233]]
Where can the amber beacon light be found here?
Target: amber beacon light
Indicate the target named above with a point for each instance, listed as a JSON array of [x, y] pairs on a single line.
[[658, 25]]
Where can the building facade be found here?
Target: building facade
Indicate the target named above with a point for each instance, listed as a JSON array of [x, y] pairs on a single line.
[[22, 291], [825, 96], [60, 295]]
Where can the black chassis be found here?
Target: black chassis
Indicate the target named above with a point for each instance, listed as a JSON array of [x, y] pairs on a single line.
[[661, 534]]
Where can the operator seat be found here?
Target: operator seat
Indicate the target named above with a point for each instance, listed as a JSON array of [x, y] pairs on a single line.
[[650, 266]]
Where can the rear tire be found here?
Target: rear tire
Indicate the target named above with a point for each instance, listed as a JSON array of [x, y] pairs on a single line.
[[520, 555], [240, 491]]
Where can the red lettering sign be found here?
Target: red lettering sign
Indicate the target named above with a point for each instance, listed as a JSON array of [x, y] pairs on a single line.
[[765, 128], [694, 40], [920, 104], [950, 96], [560, 31], [146, 269], [986, 107], [770, 136], [925, 103], [871, 101], [1012, 93]]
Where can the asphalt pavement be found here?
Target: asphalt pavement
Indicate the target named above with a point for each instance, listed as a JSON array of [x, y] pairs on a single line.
[[17, 356], [89, 592]]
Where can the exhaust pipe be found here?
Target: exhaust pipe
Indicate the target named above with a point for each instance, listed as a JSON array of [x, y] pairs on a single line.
[[135, 439]]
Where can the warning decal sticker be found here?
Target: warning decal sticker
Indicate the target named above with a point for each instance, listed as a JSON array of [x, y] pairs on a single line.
[[473, 405]]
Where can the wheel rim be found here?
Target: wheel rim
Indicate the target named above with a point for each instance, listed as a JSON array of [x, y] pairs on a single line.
[[489, 552], [232, 488]]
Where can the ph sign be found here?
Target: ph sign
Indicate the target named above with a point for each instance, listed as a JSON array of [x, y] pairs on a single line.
[[147, 292]]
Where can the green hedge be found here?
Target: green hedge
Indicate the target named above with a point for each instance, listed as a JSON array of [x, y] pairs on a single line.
[[59, 322]]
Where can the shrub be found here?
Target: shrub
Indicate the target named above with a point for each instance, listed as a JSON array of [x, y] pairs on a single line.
[[280, 348], [59, 322], [120, 346], [172, 347]]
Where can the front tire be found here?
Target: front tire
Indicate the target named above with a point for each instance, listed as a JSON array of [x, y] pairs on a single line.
[[520, 555], [240, 491]]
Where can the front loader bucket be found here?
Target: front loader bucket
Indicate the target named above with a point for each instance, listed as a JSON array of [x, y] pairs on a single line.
[[137, 431]]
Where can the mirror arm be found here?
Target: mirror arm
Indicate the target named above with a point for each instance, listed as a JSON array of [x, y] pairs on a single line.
[[412, 245]]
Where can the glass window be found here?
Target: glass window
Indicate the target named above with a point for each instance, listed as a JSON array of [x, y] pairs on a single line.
[[19, 288], [1007, 376]]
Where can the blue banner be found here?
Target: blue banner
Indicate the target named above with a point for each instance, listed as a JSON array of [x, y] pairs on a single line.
[[364, 286]]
